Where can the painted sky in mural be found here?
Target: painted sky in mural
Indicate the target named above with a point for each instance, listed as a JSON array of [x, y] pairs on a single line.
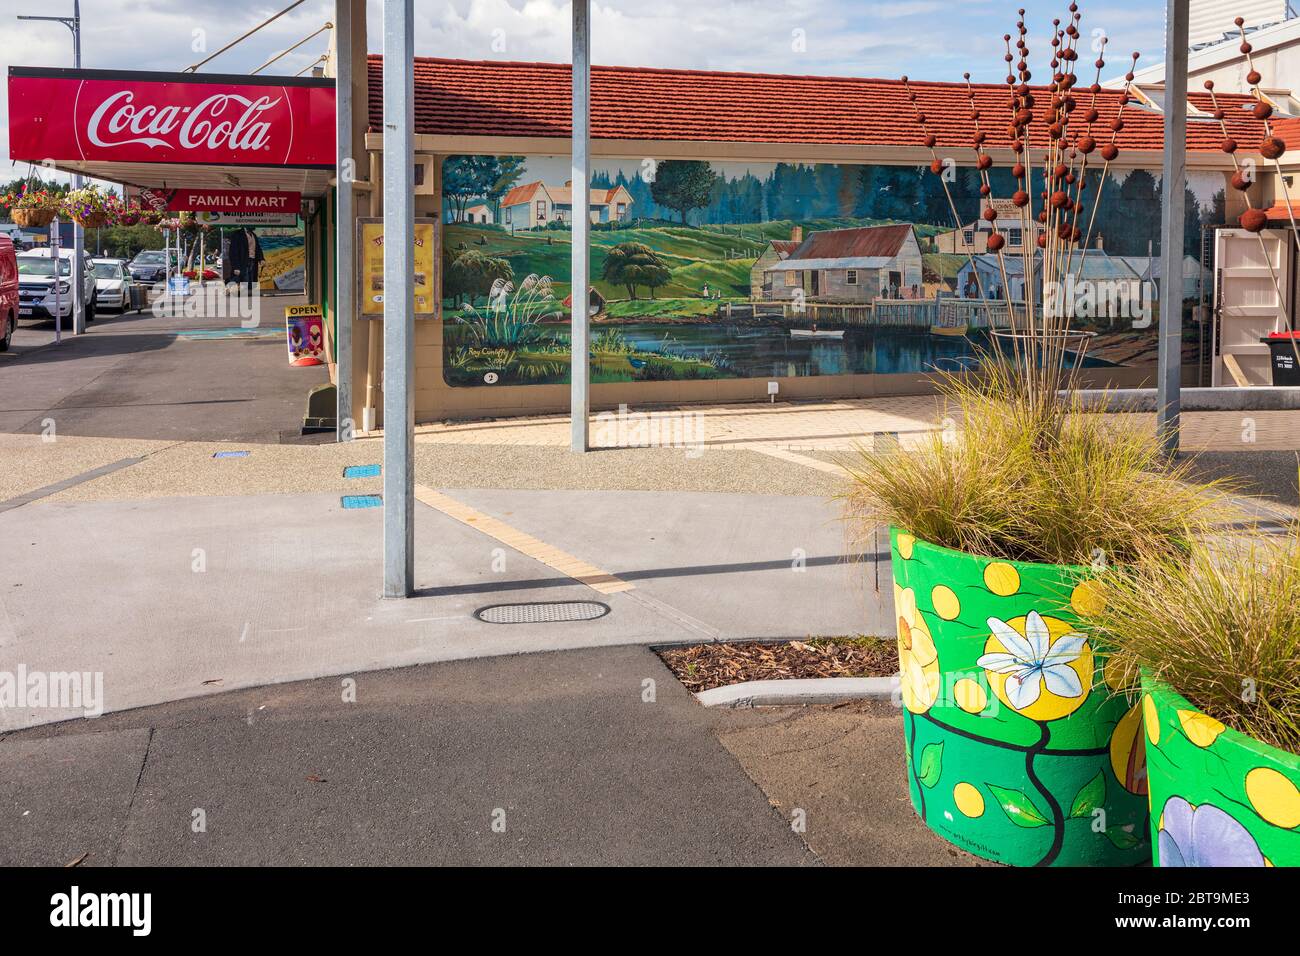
[[758, 270]]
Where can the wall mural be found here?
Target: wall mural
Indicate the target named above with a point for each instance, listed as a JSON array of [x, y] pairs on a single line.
[[754, 270]]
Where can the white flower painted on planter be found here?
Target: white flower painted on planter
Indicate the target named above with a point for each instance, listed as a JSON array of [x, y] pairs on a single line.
[[1033, 660]]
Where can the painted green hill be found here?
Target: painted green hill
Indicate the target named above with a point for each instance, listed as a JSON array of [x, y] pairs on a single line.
[[719, 256]]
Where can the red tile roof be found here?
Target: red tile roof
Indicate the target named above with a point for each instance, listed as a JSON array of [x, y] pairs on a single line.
[[860, 243], [783, 247], [560, 195], [498, 98]]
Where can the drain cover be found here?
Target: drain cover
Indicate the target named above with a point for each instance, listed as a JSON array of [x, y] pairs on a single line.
[[542, 612]]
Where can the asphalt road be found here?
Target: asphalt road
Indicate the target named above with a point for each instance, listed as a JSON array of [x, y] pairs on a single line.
[[561, 759], [160, 376]]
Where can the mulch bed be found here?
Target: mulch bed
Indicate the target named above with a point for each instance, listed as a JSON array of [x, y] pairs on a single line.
[[705, 666]]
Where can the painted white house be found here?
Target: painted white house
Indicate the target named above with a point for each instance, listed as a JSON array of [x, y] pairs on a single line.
[[535, 204], [849, 265], [479, 212]]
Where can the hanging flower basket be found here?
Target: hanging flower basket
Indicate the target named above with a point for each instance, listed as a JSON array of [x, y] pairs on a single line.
[[91, 220], [90, 207], [32, 217], [1017, 748]]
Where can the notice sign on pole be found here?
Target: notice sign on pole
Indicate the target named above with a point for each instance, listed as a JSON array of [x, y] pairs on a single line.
[[305, 327], [370, 267]]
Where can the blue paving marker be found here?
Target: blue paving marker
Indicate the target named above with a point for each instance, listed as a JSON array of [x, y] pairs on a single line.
[[361, 471], [362, 501], [230, 454]]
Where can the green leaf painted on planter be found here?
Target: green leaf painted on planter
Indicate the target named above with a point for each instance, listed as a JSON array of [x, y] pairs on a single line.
[[1019, 809], [1090, 796], [931, 763], [1122, 838]]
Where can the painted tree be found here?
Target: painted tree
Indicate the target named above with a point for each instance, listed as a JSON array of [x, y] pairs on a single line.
[[471, 274], [682, 185], [631, 264], [467, 178]]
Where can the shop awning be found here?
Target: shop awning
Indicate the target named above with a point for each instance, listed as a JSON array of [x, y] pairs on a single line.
[[174, 130]]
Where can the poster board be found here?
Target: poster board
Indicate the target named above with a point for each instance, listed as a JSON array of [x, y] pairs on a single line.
[[304, 327], [370, 267]]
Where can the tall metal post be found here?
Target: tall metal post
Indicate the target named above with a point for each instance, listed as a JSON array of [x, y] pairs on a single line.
[[579, 246], [345, 171], [399, 298], [1173, 189], [79, 303], [78, 276]]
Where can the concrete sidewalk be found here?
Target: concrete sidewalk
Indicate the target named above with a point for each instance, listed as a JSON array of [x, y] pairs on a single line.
[[177, 597], [566, 754]]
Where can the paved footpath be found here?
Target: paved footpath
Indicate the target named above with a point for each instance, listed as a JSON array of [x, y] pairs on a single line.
[[556, 759]]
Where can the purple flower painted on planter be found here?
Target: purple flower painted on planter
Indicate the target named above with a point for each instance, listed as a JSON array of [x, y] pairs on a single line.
[[1204, 836]]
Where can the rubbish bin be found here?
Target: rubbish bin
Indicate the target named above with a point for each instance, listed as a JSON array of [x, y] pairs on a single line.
[[1283, 349]]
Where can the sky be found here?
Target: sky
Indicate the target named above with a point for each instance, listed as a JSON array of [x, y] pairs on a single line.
[[926, 39]]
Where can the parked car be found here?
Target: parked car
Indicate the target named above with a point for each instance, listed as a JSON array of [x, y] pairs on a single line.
[[112, 284], [149, 265], [36, 286], [8, 292]]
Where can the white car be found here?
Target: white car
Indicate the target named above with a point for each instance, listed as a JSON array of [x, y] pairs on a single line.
[[112, 284], [37, 298]]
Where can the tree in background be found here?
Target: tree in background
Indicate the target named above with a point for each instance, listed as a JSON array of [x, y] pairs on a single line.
[[682, 185], [631, 264], [467, 178], [470, 275], [510, 169], [123, 242]]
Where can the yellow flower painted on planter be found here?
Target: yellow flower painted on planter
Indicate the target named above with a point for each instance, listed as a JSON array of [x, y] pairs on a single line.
[[1038, 666], [918, 660]]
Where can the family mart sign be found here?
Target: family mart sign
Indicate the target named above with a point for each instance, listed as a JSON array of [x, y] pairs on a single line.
[[233, 201]]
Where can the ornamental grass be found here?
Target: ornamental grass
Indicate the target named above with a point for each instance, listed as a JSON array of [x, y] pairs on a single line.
[[1221, 626], [1029, 479]]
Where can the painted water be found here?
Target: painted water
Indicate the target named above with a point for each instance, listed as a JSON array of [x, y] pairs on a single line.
[[648, 351], [758, 351]]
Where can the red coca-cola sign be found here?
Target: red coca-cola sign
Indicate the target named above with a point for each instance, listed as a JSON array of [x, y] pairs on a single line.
[[100, 115]]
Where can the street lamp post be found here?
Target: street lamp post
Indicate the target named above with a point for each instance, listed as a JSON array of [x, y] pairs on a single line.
[[73, 23]]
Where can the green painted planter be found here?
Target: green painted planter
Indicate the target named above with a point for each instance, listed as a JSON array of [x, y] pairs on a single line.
[[1218, 797], [1017, 749]]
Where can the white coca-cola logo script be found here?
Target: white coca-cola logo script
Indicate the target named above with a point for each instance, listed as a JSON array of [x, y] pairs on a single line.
[[227, 120]]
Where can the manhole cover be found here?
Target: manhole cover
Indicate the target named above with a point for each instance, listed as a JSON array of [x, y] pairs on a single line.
[[542, 612]]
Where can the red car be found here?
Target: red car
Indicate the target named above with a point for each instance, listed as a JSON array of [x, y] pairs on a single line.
[[8, 292]]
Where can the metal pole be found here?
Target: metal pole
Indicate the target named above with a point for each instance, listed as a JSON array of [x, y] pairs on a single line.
[[79, 305], [399, 298], [1173, 188], [579, 249], [344, 219], [56, 261]]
